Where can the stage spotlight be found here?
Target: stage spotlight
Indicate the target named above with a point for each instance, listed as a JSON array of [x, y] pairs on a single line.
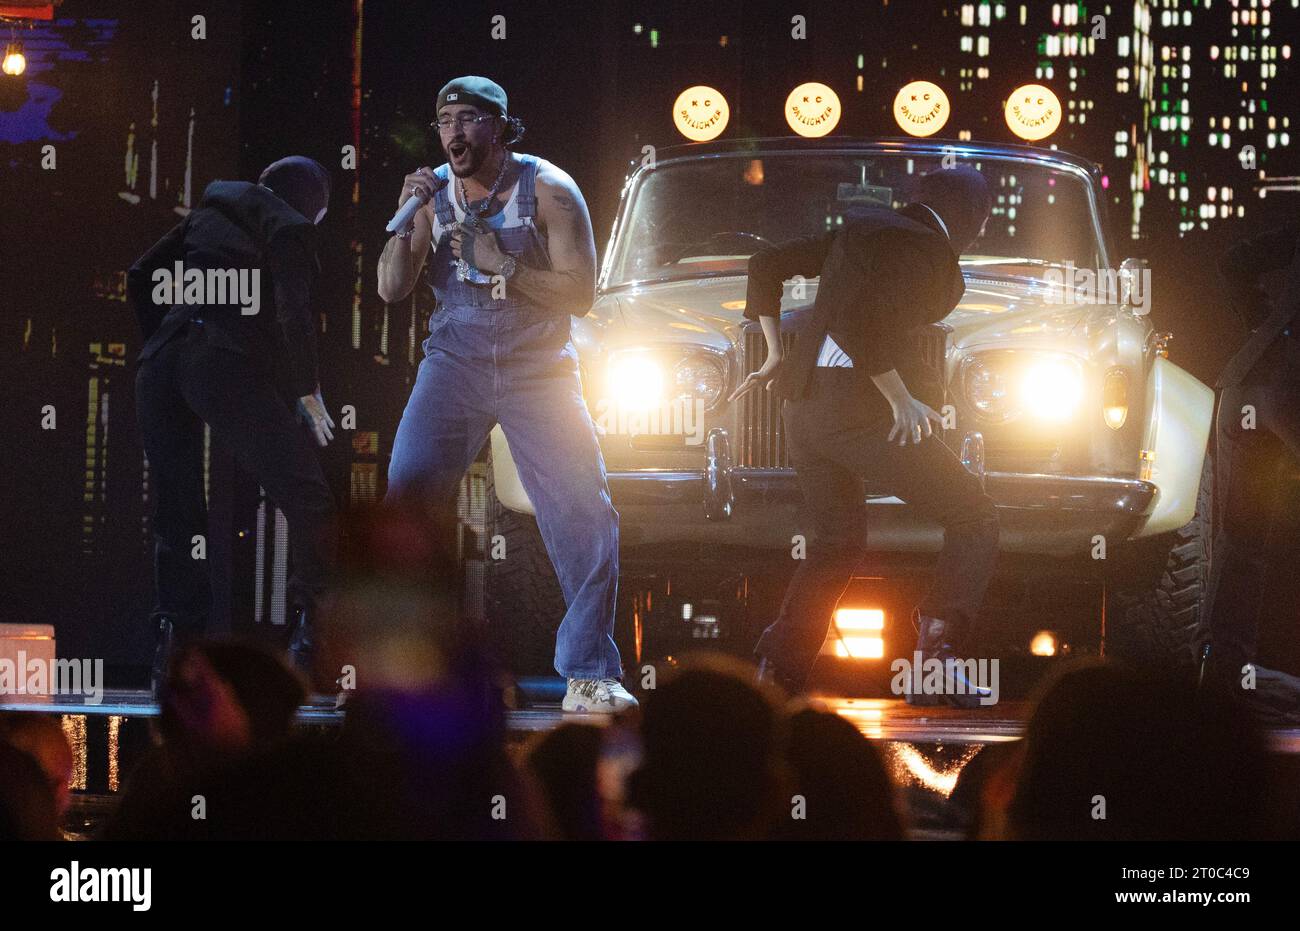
[[854, 629], [1043, 644], [15, 63]]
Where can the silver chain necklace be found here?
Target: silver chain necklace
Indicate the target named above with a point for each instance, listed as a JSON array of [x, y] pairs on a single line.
[[474, 212]]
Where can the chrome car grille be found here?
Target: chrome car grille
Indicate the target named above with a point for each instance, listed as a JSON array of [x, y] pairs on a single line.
[[759, 433]]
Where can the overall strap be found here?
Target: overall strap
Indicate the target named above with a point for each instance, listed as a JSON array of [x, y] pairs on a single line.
[[526, 197], [441, 203]]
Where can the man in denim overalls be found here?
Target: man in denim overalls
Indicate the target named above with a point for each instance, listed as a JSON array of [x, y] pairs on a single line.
[[513, 258]]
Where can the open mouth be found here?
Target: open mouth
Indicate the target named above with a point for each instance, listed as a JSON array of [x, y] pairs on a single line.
[[458, 150]]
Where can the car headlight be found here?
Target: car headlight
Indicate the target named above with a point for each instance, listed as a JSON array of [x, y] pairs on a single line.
[[1001, 385], [986, 389], [636, 381], [639, 379], [701, 376], [1051, 389]]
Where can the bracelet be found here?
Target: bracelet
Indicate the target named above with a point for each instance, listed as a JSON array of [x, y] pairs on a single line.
[[408, 234]]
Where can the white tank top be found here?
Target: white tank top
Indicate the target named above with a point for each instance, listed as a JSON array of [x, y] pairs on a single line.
[[508, 217]]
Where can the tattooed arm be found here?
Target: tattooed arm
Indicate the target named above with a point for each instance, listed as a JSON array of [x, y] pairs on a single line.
[[562, 215]]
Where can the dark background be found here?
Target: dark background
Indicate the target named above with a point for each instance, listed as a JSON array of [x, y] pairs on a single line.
[[594, 82]]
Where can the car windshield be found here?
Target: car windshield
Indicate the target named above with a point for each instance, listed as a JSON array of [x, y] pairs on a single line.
[[704, 217]]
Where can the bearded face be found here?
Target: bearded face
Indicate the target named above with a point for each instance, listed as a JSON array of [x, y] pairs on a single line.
[[468, 146]]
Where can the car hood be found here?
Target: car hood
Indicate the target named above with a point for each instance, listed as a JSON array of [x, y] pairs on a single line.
[[1023, 313], [707, 310], [994, 311]]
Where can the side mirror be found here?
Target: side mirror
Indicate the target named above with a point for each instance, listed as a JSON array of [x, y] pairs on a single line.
[[1135, 286]]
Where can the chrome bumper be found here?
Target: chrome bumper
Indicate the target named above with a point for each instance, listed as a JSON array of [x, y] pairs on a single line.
[[721, 489]]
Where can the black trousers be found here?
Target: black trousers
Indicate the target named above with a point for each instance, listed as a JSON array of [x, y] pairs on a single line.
[[1252, 468], [188, 383], [836, 441]]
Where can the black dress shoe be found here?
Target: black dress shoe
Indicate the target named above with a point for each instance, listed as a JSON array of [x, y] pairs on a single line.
[[938, 639], [164, 647], [929, 641], [1269, 696], [769, 674], [302, 642]]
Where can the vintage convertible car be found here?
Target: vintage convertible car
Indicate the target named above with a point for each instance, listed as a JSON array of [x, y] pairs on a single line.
[[1059, 395]]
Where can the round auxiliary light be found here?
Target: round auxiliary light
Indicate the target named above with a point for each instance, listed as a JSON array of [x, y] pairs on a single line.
[[700, 113], [812, 109], [921, 108], [1033, 112]]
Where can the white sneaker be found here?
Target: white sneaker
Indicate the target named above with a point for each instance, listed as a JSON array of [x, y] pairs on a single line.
[[598, 696]]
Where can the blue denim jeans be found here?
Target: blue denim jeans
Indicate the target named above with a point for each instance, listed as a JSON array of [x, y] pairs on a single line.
[[519, 368]]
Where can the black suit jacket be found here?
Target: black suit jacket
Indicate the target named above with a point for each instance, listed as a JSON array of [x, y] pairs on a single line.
[[1241, 268], [883, 274], [239, 225]]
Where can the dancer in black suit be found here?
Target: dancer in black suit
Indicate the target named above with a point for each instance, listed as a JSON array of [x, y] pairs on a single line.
[[849, 416], [250, 376], [1255, 452]]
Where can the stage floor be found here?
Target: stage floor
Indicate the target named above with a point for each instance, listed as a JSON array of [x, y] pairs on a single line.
[[878, 719]]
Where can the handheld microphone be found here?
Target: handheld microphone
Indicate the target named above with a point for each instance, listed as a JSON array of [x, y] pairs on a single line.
[[405, 215]]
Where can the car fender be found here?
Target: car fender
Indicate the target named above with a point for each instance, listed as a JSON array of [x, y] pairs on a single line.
[[1177, 431]]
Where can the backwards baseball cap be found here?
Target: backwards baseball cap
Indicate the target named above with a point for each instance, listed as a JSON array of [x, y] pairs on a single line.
[[483, 93]]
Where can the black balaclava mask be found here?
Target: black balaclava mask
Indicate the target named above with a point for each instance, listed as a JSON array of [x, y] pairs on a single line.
[[962, 199], [300, 182]]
